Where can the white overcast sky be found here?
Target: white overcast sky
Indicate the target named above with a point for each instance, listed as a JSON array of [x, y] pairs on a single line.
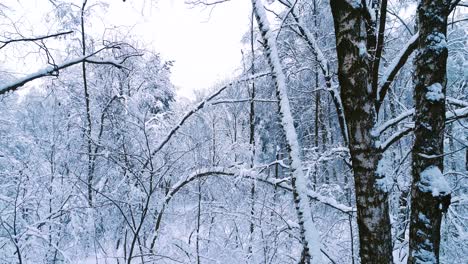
[[206, 46]]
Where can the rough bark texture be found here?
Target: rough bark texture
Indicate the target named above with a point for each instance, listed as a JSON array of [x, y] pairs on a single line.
[[354, 74], [430, 196]]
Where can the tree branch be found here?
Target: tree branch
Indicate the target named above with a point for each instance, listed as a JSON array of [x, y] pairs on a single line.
[[450, 116], [53, 70], [392, 70], [6, 42], [379, 47]]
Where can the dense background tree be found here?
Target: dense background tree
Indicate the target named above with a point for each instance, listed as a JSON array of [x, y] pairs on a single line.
[[102, 162]]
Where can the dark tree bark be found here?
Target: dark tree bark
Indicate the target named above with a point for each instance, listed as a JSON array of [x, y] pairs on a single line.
[[430, 193], [252, 138], [353, 41], [88, 128]]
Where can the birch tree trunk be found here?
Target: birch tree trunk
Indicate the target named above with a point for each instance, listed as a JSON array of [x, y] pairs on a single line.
[[430, 193], [308, 232], [354, 75]]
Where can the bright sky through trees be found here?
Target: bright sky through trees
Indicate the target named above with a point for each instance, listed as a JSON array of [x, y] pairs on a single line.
[[190, 36]]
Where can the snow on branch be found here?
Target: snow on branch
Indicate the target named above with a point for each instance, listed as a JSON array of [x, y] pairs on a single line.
[[453, 115], [206, 3], [309, 38], [395, 137], [458, 102], [221, 171], [395, 66], [48, 71], [450, 116], [53, 70], [394, 121], [378, 131], [329, 201], [433, 181], [246, 100]]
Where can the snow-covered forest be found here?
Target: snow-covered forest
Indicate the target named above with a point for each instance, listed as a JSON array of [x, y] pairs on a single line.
[[342, 138]]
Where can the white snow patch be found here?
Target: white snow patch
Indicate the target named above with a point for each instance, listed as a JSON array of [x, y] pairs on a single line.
[[425, 257], [434, 92], [292, 224], [362, 49], [437, 41], [423, 218], [432, 180], [355, 4], [382, 182]]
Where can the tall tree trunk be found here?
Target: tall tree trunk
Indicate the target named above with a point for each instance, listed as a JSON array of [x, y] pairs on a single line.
[[197, 242], [430, 193], [317, 124], [88, 131], [317, 102], [354, 74], [252, 139]]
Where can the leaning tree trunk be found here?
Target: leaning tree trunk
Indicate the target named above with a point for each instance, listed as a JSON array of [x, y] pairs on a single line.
[[309, 234], [354, 75], [430, 193]]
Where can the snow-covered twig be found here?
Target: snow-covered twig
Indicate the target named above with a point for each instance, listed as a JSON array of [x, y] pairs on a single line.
[[458, 102], [394, 121], [376, 132], [450, 116], [395, 137], [221, 171], [247, 100], [453, 115]]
